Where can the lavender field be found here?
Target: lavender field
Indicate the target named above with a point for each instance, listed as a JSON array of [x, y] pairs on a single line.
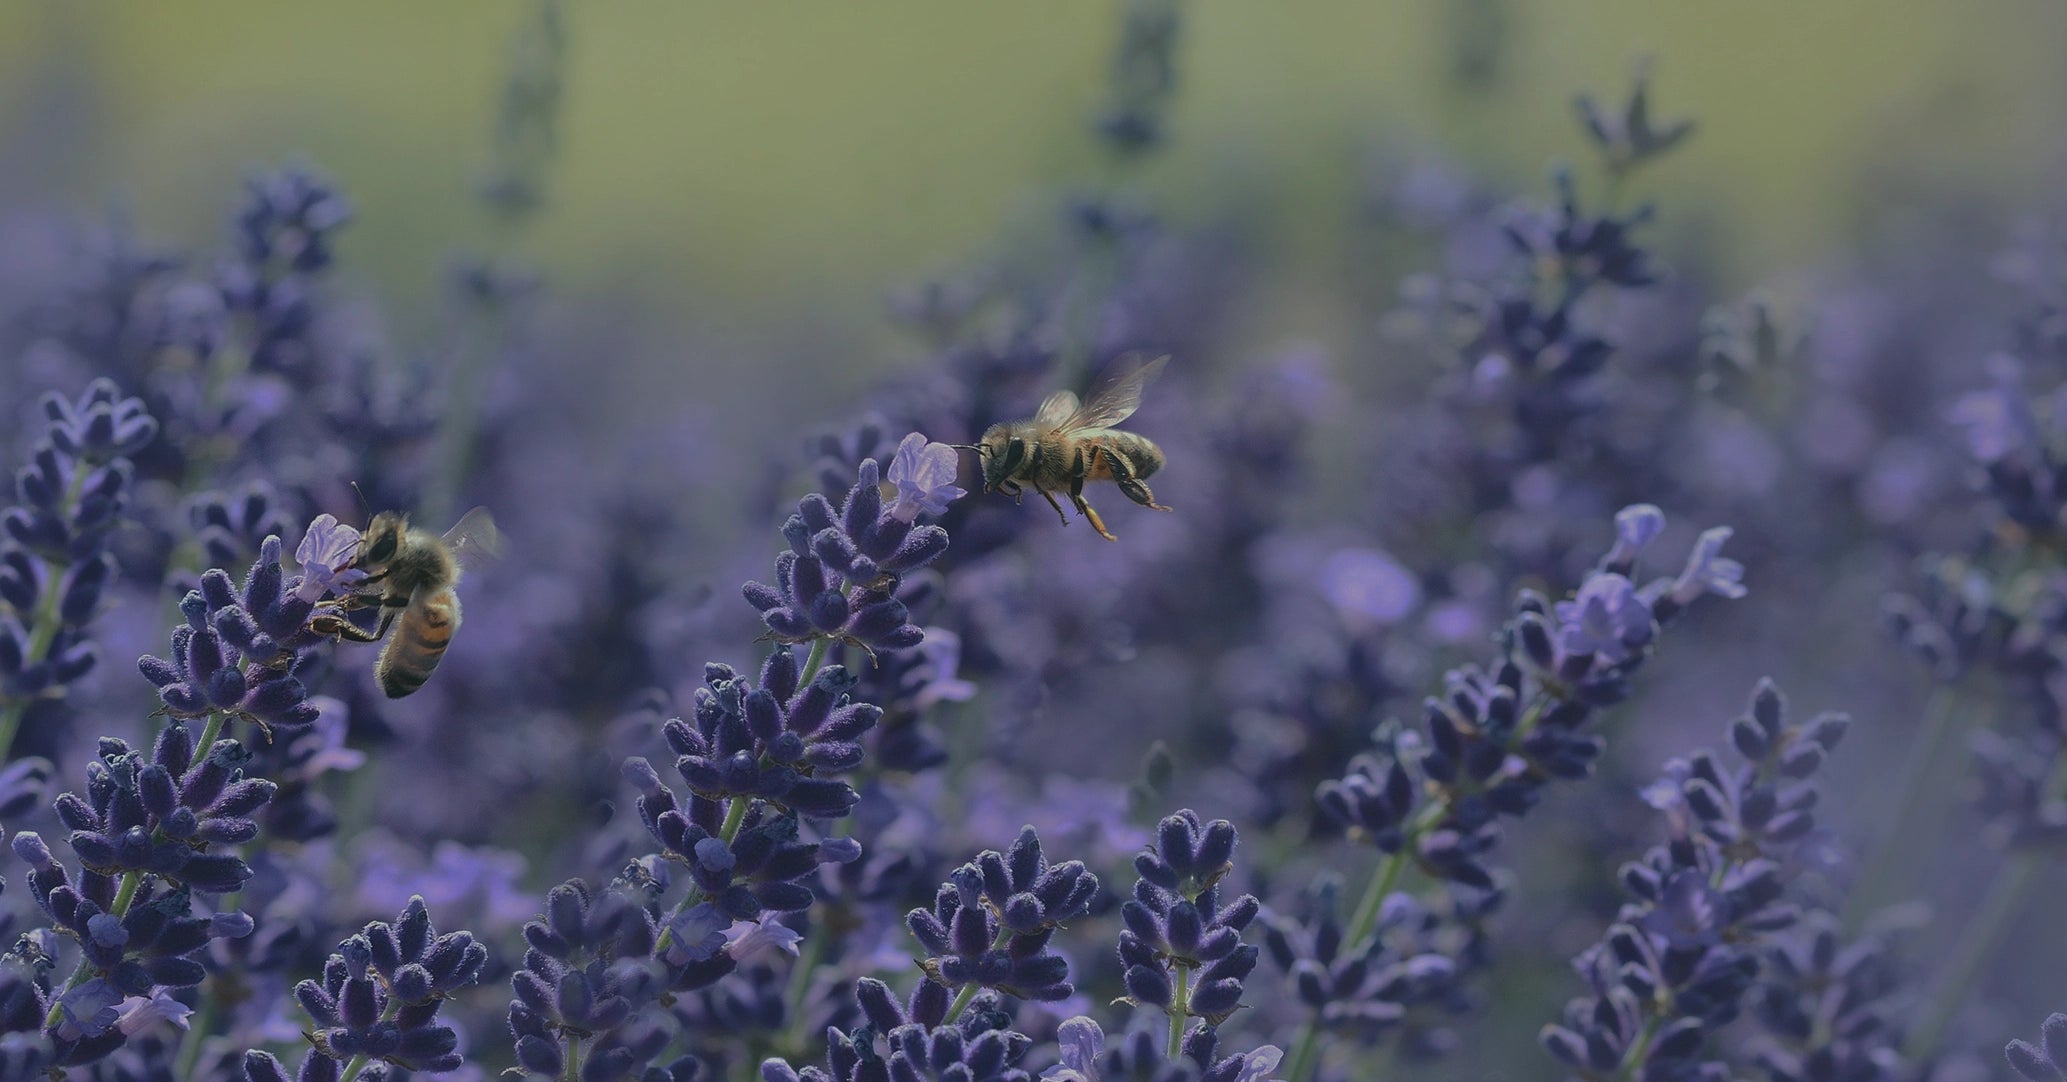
[[1235, 595]]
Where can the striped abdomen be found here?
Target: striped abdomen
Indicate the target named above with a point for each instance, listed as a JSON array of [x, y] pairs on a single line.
[[1139, 453], [421, 636]]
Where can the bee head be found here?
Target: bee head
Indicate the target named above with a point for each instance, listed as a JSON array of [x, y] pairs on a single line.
[[382, 539], [1001, 453]]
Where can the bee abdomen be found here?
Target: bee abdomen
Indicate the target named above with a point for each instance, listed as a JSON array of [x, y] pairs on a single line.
[[1143, 457], [419, 643]]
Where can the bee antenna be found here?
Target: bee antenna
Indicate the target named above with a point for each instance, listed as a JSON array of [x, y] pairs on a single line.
[[363, 505], [976, 447]]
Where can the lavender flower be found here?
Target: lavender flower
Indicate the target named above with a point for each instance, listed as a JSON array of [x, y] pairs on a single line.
[[991, 923], [135, 938], [1684, 954], [54, 564], [1182, 946], [776, 742], [381, 992], [240, 649], [1086, 1058], [158, 815], [583, 997], [838, 581]]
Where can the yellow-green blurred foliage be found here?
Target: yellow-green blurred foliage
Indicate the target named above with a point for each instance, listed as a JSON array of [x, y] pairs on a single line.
[[743, 164]]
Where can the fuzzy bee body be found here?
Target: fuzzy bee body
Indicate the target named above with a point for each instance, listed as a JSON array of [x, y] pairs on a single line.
[[413, 575], [1066, 444]]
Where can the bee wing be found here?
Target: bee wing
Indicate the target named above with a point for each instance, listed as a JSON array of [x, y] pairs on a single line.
[[474, 540], [1118, 393], [1057, 409]]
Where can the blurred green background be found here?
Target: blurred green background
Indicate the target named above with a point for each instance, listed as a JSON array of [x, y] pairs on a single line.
[[745, 166]]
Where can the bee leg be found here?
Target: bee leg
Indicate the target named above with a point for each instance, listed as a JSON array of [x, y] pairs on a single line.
[[1012, 489], [1097, 523], [342, 629], [1051, 502], [1134, 487]]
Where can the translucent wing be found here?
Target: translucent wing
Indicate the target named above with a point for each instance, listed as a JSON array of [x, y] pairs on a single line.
[[1056, 409], [1118, 393], [474, 540]]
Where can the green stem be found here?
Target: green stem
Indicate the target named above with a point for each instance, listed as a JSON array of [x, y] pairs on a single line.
[[734, 816], [358, 1062], [210, 732], [44, 624], [819, 648], [572, 1072], [454, 451], [124, 895], [1180, 1008], [197, 1033], [1633, 1059], [1977, 941], [1306, 1057], [968, 992], [1918, 796], [1982, 934]]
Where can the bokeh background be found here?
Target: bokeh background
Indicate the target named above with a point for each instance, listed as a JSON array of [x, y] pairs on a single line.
[[741, 208], [756, 180]]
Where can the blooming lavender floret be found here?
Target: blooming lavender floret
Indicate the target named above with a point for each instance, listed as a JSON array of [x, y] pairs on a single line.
[[991, 923], [325, 554], [924, 474]]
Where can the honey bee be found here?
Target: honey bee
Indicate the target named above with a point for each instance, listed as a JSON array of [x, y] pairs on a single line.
[[1067, 443], [411, 575]]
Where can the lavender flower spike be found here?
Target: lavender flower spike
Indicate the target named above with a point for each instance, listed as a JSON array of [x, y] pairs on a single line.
[[924, 474]]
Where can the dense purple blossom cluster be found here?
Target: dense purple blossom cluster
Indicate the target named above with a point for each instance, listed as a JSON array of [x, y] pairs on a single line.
[[912, 819]]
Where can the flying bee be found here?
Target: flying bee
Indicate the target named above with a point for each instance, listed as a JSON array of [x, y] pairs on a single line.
[[410, 575], [1067, 443]]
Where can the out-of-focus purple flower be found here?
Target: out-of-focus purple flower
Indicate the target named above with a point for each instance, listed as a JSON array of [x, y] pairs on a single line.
[[1369, 587], [1999, 421], [1708, 571], [1635, 526], [325, 554], [2045, 1061], [924, 474], [1607, 618]]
